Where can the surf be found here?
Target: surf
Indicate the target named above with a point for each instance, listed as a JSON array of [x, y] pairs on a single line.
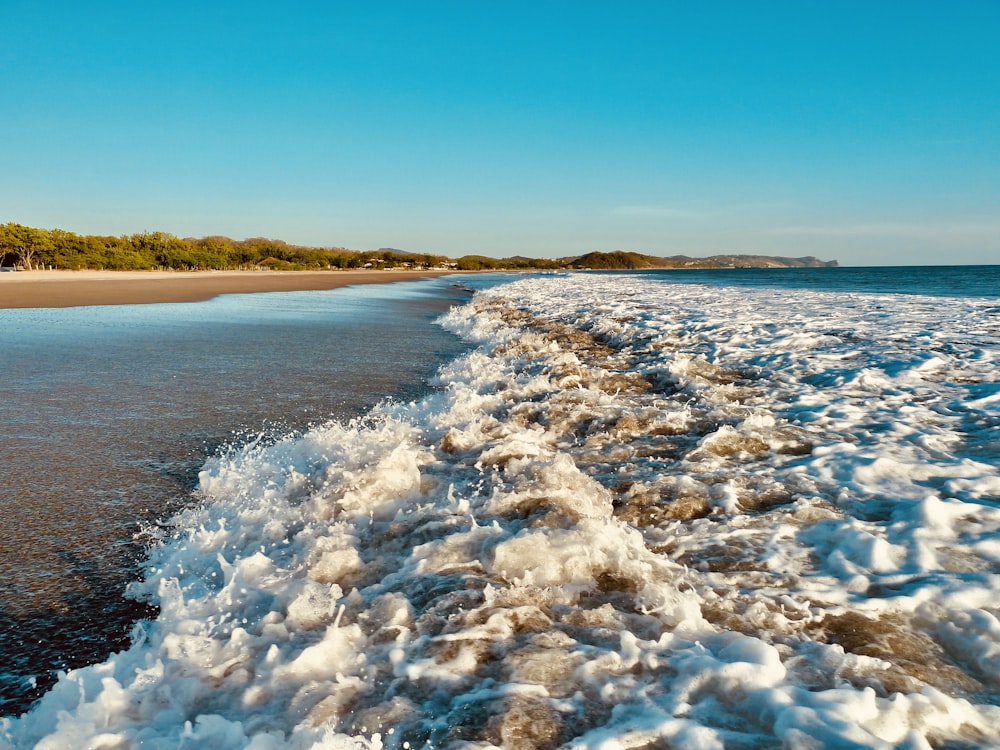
[[635, 513]]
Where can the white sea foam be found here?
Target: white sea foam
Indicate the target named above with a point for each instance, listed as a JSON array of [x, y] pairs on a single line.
[[638, 515]]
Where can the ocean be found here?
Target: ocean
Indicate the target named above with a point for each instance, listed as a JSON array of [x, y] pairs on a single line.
[[109, 413], [726, 509]]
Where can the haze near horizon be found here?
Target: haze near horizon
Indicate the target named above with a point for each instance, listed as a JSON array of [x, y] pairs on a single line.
[[864, 133]]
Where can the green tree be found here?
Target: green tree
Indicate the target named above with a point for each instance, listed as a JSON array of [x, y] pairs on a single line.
[[475, 263], [25, 243]]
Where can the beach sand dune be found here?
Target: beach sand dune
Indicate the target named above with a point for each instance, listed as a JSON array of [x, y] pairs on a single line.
[[78, 288]]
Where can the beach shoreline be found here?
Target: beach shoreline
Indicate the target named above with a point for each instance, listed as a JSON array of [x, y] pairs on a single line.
[[40, 289]]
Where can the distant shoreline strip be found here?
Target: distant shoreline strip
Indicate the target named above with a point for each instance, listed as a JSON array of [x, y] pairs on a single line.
[[40, 289]]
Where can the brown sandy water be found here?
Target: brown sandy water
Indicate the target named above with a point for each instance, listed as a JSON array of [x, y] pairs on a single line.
[[107, 414]]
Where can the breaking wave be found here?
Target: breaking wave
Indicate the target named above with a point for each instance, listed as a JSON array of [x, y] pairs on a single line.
[[637, 515]]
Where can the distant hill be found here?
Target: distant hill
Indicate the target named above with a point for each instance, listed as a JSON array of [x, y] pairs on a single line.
[[622, 260]]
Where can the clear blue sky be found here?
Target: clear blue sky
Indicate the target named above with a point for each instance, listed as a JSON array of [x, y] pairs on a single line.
[[867, 132]]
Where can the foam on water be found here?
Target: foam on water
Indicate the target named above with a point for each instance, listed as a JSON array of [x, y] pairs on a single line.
[[638, 515]]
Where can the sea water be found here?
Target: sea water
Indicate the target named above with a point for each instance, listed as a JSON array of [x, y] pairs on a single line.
[[108, 413], [643, 511]]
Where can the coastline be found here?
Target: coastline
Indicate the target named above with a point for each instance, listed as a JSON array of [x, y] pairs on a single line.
[[130, 403], [27, 289]]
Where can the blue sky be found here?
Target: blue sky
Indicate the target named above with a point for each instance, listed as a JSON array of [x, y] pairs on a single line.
[[866, 132]]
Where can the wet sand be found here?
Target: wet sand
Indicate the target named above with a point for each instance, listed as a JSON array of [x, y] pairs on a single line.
[[78, 288]]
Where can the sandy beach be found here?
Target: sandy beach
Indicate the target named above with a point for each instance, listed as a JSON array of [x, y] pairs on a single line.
[[78, 288]]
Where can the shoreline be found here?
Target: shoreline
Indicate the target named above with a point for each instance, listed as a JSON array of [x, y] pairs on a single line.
[[48, 289]]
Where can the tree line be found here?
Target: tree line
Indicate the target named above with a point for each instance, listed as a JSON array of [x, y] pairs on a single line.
[[29, 248]]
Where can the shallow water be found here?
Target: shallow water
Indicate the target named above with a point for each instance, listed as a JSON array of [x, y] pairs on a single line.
[[638, 514], [109, 413]]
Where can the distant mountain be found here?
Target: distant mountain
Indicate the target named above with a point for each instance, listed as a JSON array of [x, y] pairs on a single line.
[[622, 260]]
